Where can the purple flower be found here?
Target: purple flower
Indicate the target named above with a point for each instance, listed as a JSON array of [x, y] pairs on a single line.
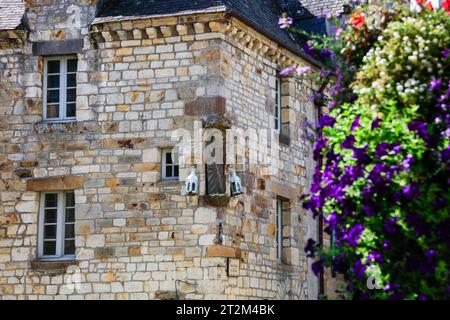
[[411, 191], [390, 225], [406, 164], [430, 255], [308, 49], [302, 70], [376, 124], [327, 121], [382, 149], [309, 248], [445, 53], [355, 123], [317, 267], [420, 128], [332, 220], [326, 53], [352, 236], [375, 256], [320, 145], [349, 142], [285, 22], [286, 71], [435, 85], [359, 269], [360, 154], [445, 154]]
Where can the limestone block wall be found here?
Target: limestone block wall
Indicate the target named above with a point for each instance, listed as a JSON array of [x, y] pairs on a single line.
[[138, 237]]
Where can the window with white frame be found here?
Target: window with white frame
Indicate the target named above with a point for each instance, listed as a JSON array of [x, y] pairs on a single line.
[[277, 113], [60, 88], [170, 168], [279, 229], [57, 225]]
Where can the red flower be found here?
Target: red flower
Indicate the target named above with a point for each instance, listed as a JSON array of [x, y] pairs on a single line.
[[358, 20], [446, 6]]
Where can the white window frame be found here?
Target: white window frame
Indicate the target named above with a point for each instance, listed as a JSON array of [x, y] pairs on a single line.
[[62, 89], [60, 228], [164, 176], [277, 105], [279, 229]]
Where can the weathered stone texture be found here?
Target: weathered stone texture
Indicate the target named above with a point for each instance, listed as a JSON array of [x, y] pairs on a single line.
[[136, 235]]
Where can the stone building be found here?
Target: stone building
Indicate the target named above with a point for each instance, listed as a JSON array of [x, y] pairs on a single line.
[[93, 199]]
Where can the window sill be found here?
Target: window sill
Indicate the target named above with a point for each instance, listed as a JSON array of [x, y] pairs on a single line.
[[47, 126], [54, 266]]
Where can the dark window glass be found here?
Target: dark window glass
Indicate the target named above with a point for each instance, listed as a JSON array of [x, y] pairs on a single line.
[[71, 110], [71, 95], [176, 169], [72, 65], [53, 81], [53, 96], [70, 215], [69, 231], [71, 80], [49, 248], [50, 231], [169, 158], [51, 200], [69, 247], [169, 173], [53, 66], [70, 199], [50, 215]]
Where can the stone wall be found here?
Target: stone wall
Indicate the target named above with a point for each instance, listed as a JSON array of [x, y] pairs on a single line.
[[138, 237]]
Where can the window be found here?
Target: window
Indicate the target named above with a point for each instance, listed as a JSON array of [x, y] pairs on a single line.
[[279, 229], [57, 225], [277, 104], [170, 167], [60, 88]]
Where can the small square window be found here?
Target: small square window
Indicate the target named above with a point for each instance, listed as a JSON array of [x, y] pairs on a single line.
[[60, 88], [57, 225], [169, 165]]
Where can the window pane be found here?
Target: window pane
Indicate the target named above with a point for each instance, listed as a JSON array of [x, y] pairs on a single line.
[[72, 65], [51, 200], [53, 81], [175, 174], [71, 110], [50, 231], [169, 173], [52, 96], [53, 111], [70, 199], [71, 95], [71, 80], [49, 248], [70, 215], [50, 215], [69, 231], [169, 158], [53, 66], [69, 247]]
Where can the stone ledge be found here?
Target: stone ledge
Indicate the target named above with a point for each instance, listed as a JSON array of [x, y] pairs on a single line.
[[223, 252], [55, 183], [53, 266]]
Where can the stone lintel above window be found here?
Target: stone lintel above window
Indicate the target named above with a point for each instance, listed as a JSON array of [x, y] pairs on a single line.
[[55, 183], [50, 48]]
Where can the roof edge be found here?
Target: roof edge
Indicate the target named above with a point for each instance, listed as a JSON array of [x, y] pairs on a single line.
[[100, 20]]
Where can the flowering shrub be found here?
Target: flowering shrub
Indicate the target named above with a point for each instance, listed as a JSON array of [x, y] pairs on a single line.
[[382, 180]]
